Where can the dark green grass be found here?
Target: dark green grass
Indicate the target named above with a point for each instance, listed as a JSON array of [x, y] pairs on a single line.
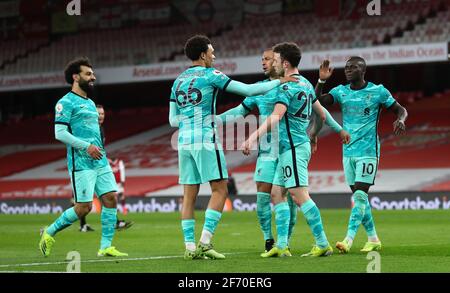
[[414, 241]]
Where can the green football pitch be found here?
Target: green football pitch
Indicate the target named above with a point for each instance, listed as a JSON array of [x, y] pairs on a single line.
[[413, 241]]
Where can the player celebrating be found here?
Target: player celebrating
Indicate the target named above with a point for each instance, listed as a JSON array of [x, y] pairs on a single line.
[[361, 104], [200, 155], [76, 125], [294, 107], [267, 160]]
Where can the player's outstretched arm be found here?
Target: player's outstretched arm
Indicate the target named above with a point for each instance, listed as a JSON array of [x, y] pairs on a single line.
[[402, 115], [317, 120], [271, 122], [329, 120], [255, 89], [174, 120], [233, 114], [325, 72], [63, 135]]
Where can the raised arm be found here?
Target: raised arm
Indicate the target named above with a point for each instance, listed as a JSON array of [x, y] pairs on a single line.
[[325, 72], [402, 115]]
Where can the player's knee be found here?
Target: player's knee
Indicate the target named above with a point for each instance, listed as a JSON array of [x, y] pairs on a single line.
[[297, 201], [109, 200], [361, 186], [219, 187], [82, 209], [263, 187]]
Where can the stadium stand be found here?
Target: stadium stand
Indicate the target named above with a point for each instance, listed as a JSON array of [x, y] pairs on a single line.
[[400, 24]]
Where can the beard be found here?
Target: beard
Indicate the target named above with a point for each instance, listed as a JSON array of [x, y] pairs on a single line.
[[86, 87]]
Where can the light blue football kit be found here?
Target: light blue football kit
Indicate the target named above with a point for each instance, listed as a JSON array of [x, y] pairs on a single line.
[[88, 175], [295, 153], [360, 111], [76, 124]]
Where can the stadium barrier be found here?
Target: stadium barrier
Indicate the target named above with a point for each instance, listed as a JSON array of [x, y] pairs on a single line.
[[379, 201]]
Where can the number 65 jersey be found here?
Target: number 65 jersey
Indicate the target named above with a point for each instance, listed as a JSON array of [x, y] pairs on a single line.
[[195, 92]]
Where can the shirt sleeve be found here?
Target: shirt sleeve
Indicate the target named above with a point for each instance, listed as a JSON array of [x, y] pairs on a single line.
[[218, 79], [249, 103], [63, 112], [386, 99], [172, 95], [283, 95], [313, 95], [335, 94]]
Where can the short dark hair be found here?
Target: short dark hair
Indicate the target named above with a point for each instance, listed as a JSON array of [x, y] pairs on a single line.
[[195, 46], [74, 67], [99, 106], [358, 59], [289, 51]]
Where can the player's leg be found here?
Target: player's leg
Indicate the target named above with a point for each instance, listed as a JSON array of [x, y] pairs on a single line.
[[373, 242], [106, 189], [187, 219], [264, 212], [349, 166], [190, 178], [293, 217], [213, 213], [296, 162], [83, 190], [282, 214], [264, 174], [359, 172], [84, 226], [212, 168], [311, 212]]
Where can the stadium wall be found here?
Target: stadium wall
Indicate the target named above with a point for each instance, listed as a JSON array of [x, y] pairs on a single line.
[[164, 204], [381, 55]]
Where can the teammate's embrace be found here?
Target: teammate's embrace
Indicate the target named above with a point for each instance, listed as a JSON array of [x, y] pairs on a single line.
[[76, 125], [293, 108], [200, 155], [361, 104]]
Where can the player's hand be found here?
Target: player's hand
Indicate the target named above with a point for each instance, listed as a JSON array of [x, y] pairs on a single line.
[[95, 152], [325, 71], [399, 127], [313, 140], [246, 146], [288, 79], [345, 136]]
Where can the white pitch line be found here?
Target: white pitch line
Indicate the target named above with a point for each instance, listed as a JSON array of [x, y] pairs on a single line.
[[100, 260], [44, 272]]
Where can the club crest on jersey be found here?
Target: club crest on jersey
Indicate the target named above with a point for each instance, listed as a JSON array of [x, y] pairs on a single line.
[[59, 107], [285, 87]]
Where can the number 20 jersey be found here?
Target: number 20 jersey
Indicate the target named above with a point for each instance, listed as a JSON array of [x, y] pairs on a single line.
[[195, 92]]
